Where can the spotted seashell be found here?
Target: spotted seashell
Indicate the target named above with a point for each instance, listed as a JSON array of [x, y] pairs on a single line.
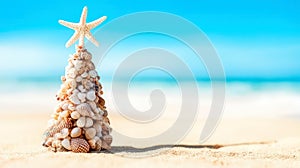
[[79, 145], [91, 95], [75, 115], [98, 144], [88, 122], [90, 133], [107, 139], [80, 122], [74, 99], [71, 73], [65, 123], [84, 75], [66, 144], [81, 88], [81, 96], [92, 143], [93, 73], [76, 132], [84, 109], [78, 79], [64, 132]]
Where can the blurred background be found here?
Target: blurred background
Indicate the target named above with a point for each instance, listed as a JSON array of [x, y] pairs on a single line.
[[258, 43]]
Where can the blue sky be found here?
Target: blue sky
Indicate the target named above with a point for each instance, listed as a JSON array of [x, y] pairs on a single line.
[[254, 39]]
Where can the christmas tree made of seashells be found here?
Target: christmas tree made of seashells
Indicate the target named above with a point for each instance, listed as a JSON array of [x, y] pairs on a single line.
[[80, 122]]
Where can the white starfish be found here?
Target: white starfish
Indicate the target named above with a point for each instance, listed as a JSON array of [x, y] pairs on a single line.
[[82, 29]]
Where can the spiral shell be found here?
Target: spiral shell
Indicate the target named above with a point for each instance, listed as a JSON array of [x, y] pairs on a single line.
[[79, 145], [92, 143], [84, 109], [65, 123]]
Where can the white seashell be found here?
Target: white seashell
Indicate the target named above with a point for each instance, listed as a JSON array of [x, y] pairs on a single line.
[[75, 91], [93, 106], [84, 109], [58, 136], [71, 107], [91, 95], [90, 65], [77, 64], [88, 122], [90, 133], [81, 88], [65, 106], [74, 99], [71, 73], [75, 115], [93, 73], [88, 84], [81, 122], [78, 79], [84, 75], [64, 114], [66, 144], [64, 132], [86, 55], [92, 143], [99, 134], [68, 67], [98, 144], [98, 127], [76, 132], [81, 96], [97, 117]]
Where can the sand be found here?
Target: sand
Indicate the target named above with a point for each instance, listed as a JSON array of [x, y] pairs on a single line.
[[236, 143]]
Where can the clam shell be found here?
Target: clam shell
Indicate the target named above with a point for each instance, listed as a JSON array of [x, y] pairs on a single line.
[[65, 123], [93, 73], [81, 122], [66, 144], [74, 99], [91, 95], [88, 122], [90, 133], [75, 115], [65, 106], [76, 132], [84, 109], [64, 132], [79, 145]]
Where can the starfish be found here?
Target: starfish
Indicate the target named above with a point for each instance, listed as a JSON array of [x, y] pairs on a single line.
[[82, 29]]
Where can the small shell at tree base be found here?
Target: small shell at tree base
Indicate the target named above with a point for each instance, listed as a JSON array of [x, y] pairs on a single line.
[[91, 95], [79, 145], [74, 99], [90, 133], [104, 145], [92, 143], [93, 73], [75, 115], [98, 144], [84, 109], [107, 139], [81, 122], [66, 144], [48, 142], [76, 132], [65, 123], [88, 122]]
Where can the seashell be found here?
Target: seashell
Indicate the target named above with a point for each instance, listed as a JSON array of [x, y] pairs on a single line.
[[78, 79], [58, 136], [65, 106], [81, 96], [92, 143], [48, 142], [90, 65], [93, 73], [81, 122], [66, 144], [99, 134], [90, 133], [92, 105], [81, 88], [101, 112], [74, 99], [98, 144], [63, 78], [86, 55], [71, 84], [64, 114], [91, 95], [75, 115], [64, 132], [97, 117], [79, 145], [104, 145], [88, 122], [65, 123], [77, 64], [98, 127], [71, 107], [69, 67], [107, 139], [75, 91], [84, 109], [76, 132], [84, 75], [71, 73]]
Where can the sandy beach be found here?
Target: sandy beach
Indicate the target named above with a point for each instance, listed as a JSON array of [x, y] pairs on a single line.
[[249, 141]]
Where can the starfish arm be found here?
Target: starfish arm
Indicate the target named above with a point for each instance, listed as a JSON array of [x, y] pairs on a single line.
[[83, 16], [73, 39], [81, 40], [95, 23], [90, 37], [68, 24]]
